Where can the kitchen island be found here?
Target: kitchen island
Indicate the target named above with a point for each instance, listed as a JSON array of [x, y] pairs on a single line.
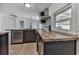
[[55, 43], [23, 35]]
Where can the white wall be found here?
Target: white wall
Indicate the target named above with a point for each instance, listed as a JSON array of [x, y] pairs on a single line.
[[0, 22], [7, 22], [76, 17], [27, 21], [55, 7]]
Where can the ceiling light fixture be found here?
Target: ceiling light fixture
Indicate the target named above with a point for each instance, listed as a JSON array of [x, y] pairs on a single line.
[[28, 5]]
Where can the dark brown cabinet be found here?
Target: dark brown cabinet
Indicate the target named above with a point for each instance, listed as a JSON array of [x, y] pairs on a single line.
[[60, 48], [4, 44], [23, 36], [56, 48], [29, 36]]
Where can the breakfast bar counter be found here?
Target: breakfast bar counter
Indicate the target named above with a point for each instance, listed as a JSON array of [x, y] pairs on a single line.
[[55, 43], [54, 36]]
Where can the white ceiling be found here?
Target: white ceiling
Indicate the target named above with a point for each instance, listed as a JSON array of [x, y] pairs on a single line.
[[18, 9]]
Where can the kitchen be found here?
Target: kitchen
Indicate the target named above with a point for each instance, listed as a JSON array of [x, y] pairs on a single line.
[[41, 29]]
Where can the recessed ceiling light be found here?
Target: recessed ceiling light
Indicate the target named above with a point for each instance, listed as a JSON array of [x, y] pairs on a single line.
[[28, 5]]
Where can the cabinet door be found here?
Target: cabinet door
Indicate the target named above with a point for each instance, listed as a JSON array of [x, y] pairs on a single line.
[[60, 48], [25, 36], [29, 36], [4, 45], [33, 36]]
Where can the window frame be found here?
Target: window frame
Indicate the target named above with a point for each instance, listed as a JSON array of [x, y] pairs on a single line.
[[65, 8]]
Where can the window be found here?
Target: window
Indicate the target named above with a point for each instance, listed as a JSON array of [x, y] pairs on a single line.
[[62, 19]]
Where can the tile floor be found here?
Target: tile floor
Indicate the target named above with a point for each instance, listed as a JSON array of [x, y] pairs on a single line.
[[23, 49]]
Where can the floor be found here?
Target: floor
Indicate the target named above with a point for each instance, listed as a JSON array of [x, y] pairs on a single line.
[[23, 49]]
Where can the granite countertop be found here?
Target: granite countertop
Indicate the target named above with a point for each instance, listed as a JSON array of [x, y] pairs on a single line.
[[3, 33], [54, 36], [19, 29]]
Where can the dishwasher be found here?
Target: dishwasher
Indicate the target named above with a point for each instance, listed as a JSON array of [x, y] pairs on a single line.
[[16, 36]]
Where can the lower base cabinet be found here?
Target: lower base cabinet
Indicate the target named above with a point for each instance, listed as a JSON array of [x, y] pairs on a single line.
[[29, 36], [60, 48], [57, 48], [4, 44], [23, 36]]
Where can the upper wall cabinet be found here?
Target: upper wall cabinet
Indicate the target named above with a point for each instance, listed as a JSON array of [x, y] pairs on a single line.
[[45, 14]]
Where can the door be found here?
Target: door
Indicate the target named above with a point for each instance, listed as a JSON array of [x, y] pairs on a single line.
[[21, 24]]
